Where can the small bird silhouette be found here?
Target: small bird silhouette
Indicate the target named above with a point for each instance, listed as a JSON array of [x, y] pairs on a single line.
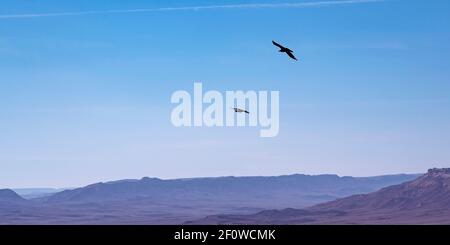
[[285, 50], [240, 110]]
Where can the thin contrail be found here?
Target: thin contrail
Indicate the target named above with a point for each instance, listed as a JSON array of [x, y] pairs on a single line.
[[193, 8]]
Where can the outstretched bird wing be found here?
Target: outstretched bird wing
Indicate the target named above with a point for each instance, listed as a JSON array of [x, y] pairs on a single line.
[[278, 45], [291, 55]]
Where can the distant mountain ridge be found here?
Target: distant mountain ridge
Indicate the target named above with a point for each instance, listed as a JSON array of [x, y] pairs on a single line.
[[425, 200], [320, 187], [157, 201], [431, 190], [8, 196]]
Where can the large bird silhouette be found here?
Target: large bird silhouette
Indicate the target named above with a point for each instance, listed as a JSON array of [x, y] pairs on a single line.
[[285, 50]]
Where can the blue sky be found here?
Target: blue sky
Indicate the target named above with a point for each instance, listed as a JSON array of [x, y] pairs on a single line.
[[86, 97]]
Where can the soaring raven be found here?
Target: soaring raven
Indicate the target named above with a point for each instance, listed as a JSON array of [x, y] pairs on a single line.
[[285, 50]]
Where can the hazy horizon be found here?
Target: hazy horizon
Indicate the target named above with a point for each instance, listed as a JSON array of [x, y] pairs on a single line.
[[202, 177]]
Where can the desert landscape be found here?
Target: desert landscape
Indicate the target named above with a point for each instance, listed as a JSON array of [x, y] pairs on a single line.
[[292, 199]]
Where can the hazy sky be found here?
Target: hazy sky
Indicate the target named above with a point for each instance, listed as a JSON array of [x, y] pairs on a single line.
[[85, 92]]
